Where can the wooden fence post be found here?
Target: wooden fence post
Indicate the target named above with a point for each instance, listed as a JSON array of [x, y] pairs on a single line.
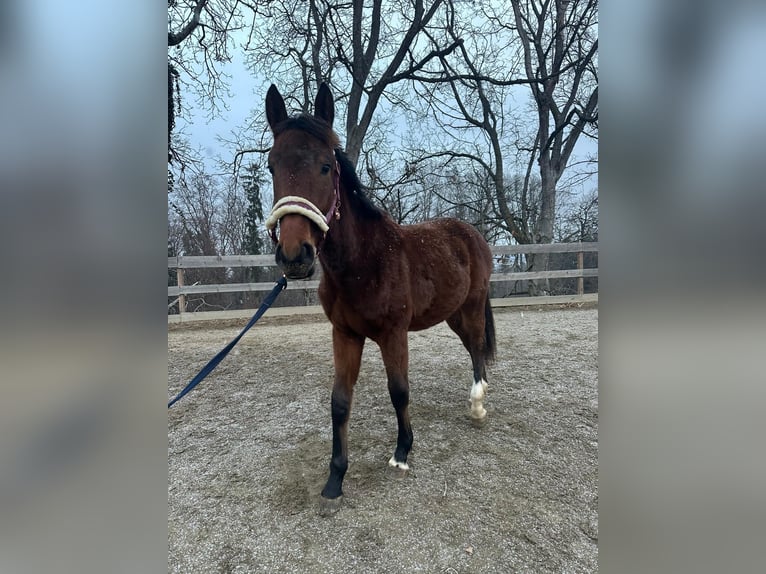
[[580, 280], [181, 297]]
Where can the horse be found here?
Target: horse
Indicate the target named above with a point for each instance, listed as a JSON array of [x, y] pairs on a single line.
[[379, 280]]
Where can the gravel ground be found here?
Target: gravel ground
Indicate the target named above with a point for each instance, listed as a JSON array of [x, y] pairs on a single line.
[[248, 453]]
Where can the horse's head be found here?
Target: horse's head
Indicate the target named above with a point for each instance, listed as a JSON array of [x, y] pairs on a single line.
[[305, 175]]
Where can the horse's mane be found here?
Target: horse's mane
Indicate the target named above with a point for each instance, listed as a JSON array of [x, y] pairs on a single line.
[[360, 202], [321, 130]]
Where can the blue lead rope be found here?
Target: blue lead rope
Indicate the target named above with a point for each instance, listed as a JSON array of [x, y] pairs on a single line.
[[206, 370]]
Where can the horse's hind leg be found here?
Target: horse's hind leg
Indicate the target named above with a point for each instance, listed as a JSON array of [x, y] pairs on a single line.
[[394, 350], [469, 324]]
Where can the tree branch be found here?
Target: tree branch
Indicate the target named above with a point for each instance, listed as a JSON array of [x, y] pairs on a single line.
[[176, 38]]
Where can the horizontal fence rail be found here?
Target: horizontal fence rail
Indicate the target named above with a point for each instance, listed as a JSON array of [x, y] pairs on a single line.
[[578, 247], [183, 262], [207, 261]]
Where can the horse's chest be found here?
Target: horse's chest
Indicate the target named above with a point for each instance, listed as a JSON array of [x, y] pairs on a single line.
[[367, 309]]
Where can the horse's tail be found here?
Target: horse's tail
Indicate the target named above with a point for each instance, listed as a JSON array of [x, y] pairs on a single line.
[[490, 342]]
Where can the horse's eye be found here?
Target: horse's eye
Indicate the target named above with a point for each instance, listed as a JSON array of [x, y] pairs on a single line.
[[326, 169]]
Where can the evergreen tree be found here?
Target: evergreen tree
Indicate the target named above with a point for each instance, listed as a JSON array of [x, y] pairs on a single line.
[[251, 182]]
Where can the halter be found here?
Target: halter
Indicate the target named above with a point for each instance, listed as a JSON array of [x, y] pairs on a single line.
[[302, 206]]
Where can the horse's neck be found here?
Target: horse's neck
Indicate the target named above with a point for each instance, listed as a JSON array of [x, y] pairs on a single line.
[[353, 241]]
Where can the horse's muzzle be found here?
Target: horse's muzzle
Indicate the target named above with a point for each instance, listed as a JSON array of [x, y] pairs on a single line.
[[298, 265]]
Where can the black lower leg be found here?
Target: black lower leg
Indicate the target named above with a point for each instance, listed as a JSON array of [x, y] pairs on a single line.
[[400, 398], [479, 368], [339, 462]]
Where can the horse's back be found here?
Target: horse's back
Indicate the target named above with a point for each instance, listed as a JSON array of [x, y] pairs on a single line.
[[457, 244]]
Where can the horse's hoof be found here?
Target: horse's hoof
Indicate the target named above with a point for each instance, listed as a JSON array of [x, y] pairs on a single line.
[[398, 469], [478, 413], [479, 423], [329, 506]]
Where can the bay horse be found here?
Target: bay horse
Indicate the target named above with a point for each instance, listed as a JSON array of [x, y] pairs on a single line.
[[380, 279]]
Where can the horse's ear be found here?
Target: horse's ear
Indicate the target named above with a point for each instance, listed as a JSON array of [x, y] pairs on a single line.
[[275, 107], [324, 107]]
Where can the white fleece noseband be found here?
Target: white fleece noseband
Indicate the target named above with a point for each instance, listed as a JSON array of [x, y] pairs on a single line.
[[299, 205]]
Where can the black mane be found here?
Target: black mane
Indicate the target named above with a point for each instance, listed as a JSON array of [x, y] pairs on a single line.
[[360, 202]]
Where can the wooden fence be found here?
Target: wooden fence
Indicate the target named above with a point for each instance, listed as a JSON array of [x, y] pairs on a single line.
[[182, 290]]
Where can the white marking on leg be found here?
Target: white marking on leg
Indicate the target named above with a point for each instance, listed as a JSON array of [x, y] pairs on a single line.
[[396, 464], [478, 390]]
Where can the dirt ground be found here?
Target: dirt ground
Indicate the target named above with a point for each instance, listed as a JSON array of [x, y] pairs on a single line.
[[248, 453]]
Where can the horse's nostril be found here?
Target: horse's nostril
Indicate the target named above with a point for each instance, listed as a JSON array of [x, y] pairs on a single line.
[[297, 263], [307, 251], [303, 255]]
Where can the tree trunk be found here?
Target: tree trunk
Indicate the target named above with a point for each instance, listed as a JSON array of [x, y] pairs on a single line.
[[543, 232], [354, 140]]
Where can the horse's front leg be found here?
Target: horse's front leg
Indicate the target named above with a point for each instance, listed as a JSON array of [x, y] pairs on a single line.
[[347, 350], [395, 357]]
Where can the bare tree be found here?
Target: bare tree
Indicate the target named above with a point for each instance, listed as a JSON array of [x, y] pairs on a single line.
[[578, 221], [200, 42], [196, 206], [469, 98], [550, 49], [206, 216], [559, 44], [361, 49]]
